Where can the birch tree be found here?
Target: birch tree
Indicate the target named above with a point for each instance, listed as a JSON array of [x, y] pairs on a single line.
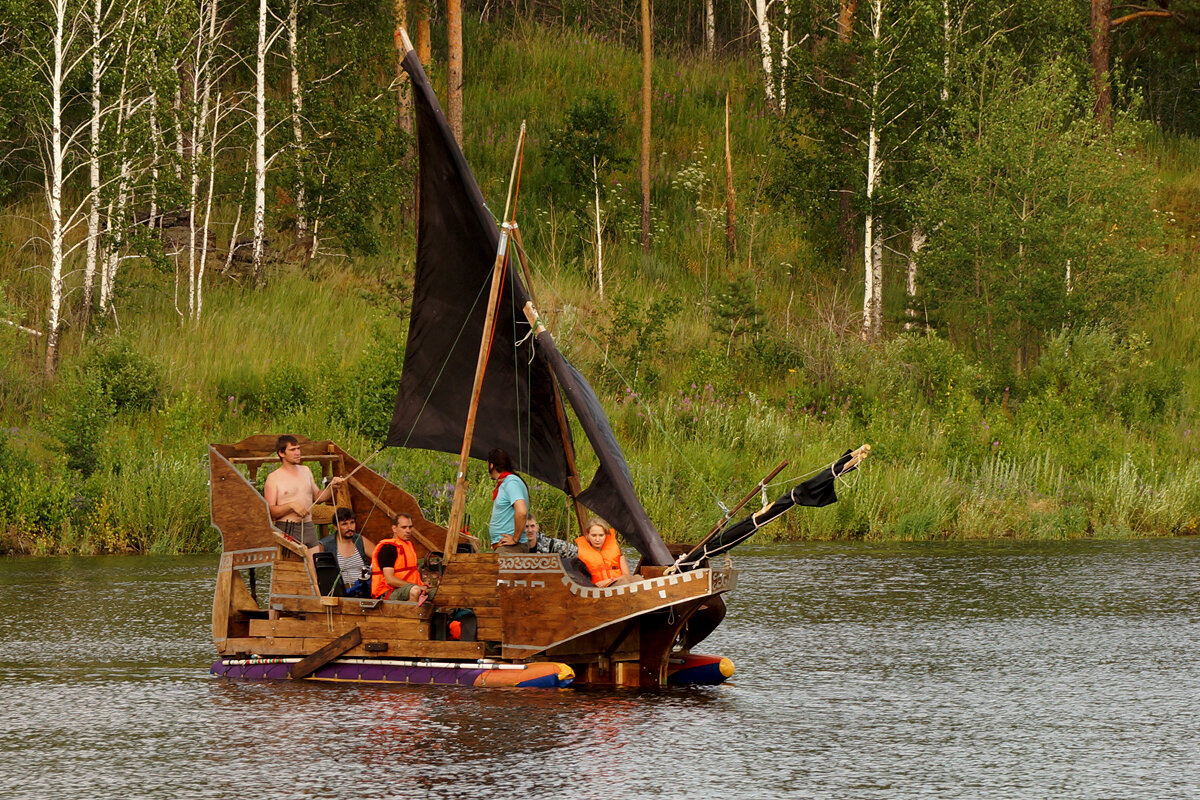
[[763, 28], [867, 91], [1031, 189], [57, 48], [101, 59], [264, 44]]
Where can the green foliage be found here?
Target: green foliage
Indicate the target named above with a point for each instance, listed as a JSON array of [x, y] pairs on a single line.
[[588, 138], [634, 336], [285, 389], [81, 411], [37, 501], [130, 379], [361, 395], [736, 315], [1027, 189], [1093, 370], [1088, 432]]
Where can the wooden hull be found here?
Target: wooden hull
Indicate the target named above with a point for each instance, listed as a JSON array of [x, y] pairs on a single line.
[[531, 616]]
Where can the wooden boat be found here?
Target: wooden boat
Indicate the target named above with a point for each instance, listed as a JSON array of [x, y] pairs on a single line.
[[528, 619]]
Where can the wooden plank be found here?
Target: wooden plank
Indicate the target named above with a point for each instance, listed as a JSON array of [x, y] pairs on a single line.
[[396, 648], [292, 578], [317, 626], [241, 599], [239, 512], [493, 632], [473, 596], [274, 459], [343, 644], [318, 605], [221, 601]]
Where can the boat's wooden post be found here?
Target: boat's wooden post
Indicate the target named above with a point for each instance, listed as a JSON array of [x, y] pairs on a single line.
[[574, 487], [729, 514], [485, 349], [564, 430], [460, 477]]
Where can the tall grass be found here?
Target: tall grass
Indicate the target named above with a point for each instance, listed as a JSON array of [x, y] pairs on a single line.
[[956, 453]]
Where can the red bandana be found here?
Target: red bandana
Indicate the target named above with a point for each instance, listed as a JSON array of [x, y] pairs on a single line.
[[499, 480]]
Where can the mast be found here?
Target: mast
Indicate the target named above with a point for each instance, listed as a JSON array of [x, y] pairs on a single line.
[[485, 347], [574, 487]]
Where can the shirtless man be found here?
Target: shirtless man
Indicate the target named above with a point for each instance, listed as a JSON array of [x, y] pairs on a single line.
[[291, 492]]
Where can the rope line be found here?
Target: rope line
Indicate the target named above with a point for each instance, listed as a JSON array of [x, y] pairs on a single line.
[[637, 397]]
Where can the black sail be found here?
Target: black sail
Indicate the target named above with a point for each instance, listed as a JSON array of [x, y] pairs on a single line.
[[457, 241]]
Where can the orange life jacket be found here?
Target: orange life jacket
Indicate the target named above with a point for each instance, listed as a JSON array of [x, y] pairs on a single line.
[[603, 564], [405, 568]]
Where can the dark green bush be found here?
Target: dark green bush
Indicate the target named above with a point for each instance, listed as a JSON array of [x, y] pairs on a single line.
[[81, 412], [362, 395], [286, 389], [131, 379]]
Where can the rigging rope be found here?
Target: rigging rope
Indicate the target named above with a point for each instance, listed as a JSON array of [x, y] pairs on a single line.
[[637, 397]]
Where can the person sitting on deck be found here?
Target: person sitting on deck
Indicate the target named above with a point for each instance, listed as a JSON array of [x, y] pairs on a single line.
[[351, 549], [291, 492], [510, 505], [394, 571], [542, 543], [600, 553]]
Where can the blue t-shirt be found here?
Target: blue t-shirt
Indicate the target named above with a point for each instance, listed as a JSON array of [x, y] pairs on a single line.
[[512, 489]]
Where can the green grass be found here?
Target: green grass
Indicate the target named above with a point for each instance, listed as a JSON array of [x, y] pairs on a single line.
[[955, 455]]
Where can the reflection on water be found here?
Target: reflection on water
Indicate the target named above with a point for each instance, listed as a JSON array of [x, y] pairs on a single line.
[[864, 671]]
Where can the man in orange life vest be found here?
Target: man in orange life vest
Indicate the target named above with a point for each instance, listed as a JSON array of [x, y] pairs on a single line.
[[394, 571], [600, 553]]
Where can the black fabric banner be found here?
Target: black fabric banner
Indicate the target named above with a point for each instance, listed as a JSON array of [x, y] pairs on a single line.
[[457, 242]]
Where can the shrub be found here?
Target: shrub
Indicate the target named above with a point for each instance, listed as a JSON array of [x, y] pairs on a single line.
[[362, 395], [131, 379], [80, 414]]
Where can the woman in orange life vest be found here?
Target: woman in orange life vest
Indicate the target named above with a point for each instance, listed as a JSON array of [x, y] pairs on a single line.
[[600, 553], [394, 571]]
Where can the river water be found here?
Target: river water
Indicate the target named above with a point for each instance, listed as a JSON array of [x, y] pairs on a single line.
[[990, 670]]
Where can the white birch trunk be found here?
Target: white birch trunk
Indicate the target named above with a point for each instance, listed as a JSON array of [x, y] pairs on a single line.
[[105, 274], [785, 46], [710, 29], [208, 201], [764, 41], [872, 243], [55, 190], [260, 143], [93, 219], [177, 113], [155, 154], [297, 115], [916, 244], [116, 219], [237, 221], [945, 50], [199, 119]]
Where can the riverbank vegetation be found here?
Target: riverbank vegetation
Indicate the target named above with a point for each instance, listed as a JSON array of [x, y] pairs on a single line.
[[1029, 367]]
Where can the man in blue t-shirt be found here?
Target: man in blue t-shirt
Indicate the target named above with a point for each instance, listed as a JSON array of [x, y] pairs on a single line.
[[510, 505]]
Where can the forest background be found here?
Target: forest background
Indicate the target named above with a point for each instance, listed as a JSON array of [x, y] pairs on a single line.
[[960, 230]]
